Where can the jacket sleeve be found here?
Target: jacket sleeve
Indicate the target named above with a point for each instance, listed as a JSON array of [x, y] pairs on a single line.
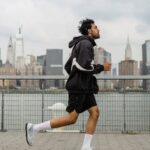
[[85, 59], [68, 65], [98, 68]]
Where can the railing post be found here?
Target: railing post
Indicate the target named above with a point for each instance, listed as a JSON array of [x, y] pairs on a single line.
[[42, 99], [2, 111], [124, 108], [83, 125]]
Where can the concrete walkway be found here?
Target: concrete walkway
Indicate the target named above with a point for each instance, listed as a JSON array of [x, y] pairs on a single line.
[[73, 141]]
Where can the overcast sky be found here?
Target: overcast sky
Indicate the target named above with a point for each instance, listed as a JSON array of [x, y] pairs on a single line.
[[53, 23]]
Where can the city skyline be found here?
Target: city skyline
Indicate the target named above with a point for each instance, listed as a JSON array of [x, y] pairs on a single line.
[[127, 46], [41, 31]]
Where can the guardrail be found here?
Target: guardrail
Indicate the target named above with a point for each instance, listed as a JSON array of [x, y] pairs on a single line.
[[122, 110]]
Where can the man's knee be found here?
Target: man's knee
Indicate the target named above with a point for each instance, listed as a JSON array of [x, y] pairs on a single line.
[[95, 113], [72, 119]]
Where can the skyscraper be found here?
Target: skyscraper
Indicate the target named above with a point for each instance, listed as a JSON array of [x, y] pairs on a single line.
[[128, 50], [19, 50], [0, 53], [10, 53], [19, 45], [54, 66], [0, 59], [146, 63], [102, 56], [128, 67], [8, 69]]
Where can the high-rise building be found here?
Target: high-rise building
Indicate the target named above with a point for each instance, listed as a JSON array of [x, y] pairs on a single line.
[[102, 56], [146, 63], [8, 69], [31, 69], [41, 60], [128, 67], [141, 68], [20, 63], [128, 50], [0, 59], [30, 60], [114, 69], [10, 53], [54, 66], [0, 53], [114, 72], [19, 50], [19, 45]]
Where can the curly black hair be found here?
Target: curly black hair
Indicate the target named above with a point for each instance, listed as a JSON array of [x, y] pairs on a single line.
[[85, 25]]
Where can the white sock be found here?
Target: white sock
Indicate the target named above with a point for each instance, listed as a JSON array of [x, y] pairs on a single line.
[[42, 126], [87, 140]]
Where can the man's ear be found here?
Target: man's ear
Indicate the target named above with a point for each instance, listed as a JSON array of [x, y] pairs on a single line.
[[89, 31]]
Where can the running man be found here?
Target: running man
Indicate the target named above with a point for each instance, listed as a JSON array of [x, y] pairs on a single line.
[[81, 85]]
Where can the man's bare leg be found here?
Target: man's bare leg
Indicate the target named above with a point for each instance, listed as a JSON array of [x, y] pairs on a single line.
[[32, 129], [64, 120], [90, 126], [57, 122], [92, 120]]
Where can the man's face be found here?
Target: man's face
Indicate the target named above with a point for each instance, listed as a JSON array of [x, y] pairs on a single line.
[[94, 32]]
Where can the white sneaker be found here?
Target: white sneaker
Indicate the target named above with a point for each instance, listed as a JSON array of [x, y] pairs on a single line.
[[30, 133], [86, 148]]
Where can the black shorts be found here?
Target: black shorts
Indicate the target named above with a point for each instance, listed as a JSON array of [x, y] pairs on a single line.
[[80, 102]]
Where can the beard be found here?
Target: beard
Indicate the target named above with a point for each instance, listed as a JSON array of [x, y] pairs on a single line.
[[97, 36]]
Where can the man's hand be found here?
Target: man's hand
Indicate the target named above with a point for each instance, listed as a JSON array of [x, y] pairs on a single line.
[[107, 66]]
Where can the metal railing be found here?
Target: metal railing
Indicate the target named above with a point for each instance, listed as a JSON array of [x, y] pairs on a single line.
[[123, 109]]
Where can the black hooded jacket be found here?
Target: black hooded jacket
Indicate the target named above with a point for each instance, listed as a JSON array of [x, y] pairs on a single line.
[[80, 66]]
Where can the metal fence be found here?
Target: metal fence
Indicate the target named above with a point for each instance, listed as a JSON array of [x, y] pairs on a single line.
[[123, 109]]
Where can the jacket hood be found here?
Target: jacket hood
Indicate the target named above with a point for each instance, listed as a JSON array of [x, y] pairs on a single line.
[[75, 40]]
